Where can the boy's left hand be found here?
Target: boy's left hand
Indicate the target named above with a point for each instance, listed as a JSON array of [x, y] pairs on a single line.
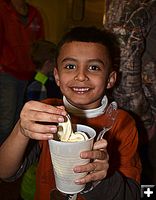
[[97, 170]]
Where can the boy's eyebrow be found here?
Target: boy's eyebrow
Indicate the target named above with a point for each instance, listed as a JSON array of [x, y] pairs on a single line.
[[68, 59], [97, 60], [89, 60]]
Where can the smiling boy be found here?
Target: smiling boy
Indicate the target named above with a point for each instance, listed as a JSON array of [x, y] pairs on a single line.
[[84, 71]]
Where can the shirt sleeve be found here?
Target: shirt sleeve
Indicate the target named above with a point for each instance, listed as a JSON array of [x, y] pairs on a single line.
[[123, 147], [31, 156], [115, 187]]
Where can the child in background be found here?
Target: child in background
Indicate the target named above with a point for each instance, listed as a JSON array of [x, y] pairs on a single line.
[[84, 71], [43, 85]]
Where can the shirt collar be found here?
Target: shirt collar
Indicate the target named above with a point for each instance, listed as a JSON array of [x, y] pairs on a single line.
[[90, 113]]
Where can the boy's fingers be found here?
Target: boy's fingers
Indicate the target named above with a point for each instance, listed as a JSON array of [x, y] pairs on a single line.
[[37, 135], [40, 106], [101, 144], [93, 176], [96, 154], [92, 167]]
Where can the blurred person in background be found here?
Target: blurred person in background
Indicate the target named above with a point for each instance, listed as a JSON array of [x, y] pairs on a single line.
[[134, 22], [43, 84], [20, 25]]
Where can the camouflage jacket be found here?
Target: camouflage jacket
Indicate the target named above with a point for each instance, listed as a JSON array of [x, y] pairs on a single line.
[[134, 22]]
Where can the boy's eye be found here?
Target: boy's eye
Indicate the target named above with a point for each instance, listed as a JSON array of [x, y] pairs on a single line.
[[70, 66], [93, 67]]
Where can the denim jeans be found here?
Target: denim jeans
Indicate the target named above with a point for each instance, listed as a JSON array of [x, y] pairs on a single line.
[[11, 101]]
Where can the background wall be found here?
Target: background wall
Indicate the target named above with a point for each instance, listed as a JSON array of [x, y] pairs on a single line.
[[59, 15]]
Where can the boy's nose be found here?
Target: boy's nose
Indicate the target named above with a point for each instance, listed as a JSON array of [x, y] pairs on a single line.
[[81, 76]]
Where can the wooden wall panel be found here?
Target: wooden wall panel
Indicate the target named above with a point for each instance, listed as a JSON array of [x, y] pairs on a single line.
[[58, 15]]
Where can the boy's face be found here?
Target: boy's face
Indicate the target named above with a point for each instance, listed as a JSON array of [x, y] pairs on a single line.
[[83, 73]]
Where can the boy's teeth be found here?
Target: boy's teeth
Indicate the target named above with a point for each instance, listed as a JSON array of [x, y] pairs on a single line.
[[80, 89]]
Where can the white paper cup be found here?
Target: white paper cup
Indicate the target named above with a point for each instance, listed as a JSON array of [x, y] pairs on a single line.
[[65, 156]]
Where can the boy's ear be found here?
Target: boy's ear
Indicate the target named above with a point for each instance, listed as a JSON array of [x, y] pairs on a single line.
[[56, 76], [111, 79]]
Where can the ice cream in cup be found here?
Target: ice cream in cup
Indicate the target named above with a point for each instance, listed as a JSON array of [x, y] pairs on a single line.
[[65, 155]]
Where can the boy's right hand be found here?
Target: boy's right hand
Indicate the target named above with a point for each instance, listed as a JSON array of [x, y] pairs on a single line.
[[37, 120]]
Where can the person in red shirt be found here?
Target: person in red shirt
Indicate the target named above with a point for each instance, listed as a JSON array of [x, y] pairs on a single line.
[[20, 25], [84, 72]]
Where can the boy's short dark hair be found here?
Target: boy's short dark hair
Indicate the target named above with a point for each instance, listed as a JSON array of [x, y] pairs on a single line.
[[42, 51], [95, 35]]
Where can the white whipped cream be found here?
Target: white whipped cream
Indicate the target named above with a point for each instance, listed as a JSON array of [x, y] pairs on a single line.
[[66, 134]]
